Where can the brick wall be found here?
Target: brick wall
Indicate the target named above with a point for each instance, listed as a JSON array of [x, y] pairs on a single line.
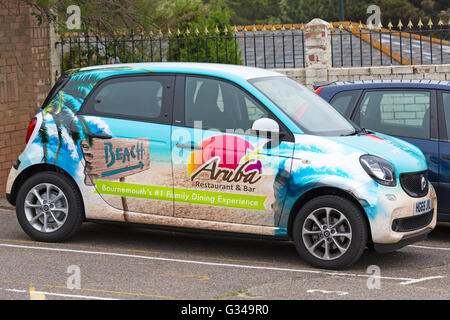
[[24, 78], [427, 72]]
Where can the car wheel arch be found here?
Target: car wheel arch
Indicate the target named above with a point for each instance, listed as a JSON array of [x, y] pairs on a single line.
[[41, 167], [324, 191]]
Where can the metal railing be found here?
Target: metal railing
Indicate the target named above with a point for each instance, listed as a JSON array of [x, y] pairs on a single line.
[[264, 46], [279, 47], [361, 45], [273, 46], [84, 50]]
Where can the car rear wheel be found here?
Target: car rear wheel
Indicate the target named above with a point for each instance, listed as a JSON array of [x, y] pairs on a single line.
[[330, 232], [49, 207]]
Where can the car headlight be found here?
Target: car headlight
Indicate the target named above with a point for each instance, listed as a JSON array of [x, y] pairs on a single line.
[[379, 170]]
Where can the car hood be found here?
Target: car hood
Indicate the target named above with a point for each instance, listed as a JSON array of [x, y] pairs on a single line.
[[402, 155]]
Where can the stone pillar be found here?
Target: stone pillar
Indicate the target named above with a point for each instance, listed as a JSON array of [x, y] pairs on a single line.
[[54, 55], [317, 51]]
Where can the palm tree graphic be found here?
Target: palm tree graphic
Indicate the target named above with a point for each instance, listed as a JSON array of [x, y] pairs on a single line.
[[62, 109]]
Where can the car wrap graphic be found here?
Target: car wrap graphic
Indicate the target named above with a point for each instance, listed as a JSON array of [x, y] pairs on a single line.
[[324, 162], [229, 165], [236, 156], [115, 158], [181, 195], [240, 184], [232, 161]]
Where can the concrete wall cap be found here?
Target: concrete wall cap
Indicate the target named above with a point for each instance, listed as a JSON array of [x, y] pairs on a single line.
[[318, 21]]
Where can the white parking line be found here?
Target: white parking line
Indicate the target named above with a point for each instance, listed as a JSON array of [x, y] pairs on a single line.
[[432, 248], [75, 296], [339, 293], [420, 280], [404, 280], [15, 290]]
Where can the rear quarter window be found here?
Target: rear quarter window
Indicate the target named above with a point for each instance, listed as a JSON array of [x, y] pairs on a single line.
[[344, 102]]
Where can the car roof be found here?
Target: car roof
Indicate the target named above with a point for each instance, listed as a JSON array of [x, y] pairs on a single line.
[[400, 83], [212, 69]]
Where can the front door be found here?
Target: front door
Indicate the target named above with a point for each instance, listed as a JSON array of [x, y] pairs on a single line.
[[222, 171], [127, 151], [443, 192]]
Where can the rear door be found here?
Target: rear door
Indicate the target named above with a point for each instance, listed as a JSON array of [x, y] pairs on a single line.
[[127, 154], [444, 145], [408, 114]]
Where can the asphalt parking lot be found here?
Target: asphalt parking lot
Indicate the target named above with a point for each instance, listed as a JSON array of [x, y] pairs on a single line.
[[118, 262]]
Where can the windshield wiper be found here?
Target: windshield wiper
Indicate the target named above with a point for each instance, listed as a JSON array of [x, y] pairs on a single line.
[[362, 131]]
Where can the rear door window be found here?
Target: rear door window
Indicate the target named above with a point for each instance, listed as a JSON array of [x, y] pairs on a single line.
[[399, 113]]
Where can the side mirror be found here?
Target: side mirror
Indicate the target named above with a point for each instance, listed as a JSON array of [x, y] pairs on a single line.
[[266, 126]]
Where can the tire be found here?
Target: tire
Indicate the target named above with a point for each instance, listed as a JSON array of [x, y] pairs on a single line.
[[49, 221], [334, 245]]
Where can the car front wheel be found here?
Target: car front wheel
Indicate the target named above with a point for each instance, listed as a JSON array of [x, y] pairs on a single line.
[[330, 232]]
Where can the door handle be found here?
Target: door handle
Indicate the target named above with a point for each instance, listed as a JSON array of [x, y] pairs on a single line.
[[446, 157], [99, 135], [188, 146]]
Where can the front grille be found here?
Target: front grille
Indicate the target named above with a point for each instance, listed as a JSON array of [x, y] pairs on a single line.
[[412, 223], [415, 183]]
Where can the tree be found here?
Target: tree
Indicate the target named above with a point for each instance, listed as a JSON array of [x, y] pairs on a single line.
[[245, 12], [141, 30], [109, 16], [248, 12], [207, 38]]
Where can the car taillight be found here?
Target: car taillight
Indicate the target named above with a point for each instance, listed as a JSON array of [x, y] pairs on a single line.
[[318, 90], [30, 130]]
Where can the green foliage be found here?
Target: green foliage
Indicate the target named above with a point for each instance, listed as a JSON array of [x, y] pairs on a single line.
[[245, 12], [108, 16], [114, 22], [82, 54], [248, 12], [204, 38]]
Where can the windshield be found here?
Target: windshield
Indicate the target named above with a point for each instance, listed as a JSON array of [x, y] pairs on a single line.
[[310, 112]]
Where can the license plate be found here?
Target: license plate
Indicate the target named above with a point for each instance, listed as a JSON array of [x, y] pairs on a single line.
[[422, 206]]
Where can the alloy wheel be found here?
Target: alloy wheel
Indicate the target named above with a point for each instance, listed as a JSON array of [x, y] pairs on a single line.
[[46, 207], [327, 233]]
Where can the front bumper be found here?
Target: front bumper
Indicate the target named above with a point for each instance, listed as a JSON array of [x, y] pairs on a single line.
[[406, 240], [400, 209]]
